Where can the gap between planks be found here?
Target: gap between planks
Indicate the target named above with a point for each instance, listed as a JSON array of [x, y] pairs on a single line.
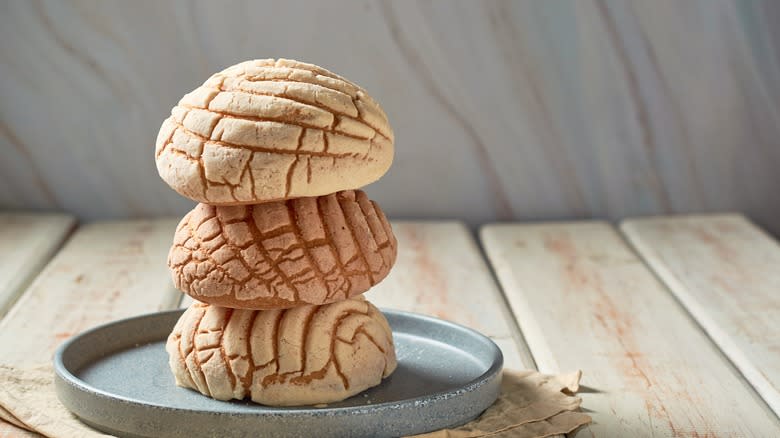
[[585, 300]]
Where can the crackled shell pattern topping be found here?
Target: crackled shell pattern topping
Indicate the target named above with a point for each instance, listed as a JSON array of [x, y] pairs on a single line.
[[269, 130], [306, 355], [283, 254]]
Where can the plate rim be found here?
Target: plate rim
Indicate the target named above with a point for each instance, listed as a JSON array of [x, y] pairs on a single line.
[[63, 373]]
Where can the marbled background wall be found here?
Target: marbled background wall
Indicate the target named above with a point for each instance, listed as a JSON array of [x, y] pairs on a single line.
[[502, 110]]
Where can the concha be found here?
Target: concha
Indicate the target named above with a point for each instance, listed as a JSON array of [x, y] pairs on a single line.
[[283, 254], [301, 356], [268, 130]]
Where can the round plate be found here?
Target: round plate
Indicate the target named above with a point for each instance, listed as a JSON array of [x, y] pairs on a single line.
[[115, 378]]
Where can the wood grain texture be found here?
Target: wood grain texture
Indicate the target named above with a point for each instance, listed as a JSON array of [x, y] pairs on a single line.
[[27, 242], [528, 109], [584, 299], [106, 271], [724, 270], [440, 272]]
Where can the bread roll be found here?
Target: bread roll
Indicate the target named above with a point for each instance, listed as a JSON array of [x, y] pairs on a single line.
[[282, 254], [301, 356], [268, 130]]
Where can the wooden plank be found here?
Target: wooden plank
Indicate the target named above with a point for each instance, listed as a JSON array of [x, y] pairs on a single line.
[[585, 300], [27, 242], [440, 272], [106, 271], [726, 272]]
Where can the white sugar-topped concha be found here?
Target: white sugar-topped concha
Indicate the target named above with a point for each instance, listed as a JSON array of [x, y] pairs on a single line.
[[268, 130]]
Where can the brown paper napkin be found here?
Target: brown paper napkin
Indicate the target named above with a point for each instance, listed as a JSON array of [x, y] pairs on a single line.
[[530, 405], [28, 401]]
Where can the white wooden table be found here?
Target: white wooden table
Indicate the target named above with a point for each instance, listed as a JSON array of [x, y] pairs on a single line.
[[675, 321]]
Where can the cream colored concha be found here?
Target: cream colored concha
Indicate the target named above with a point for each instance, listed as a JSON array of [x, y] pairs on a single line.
[[269, 130], [301, 356], [282, 254]]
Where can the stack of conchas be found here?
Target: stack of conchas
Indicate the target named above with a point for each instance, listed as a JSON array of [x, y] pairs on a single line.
[[282, 244]]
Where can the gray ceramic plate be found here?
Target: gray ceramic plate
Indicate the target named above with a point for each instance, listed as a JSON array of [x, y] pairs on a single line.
[[116, 378]]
